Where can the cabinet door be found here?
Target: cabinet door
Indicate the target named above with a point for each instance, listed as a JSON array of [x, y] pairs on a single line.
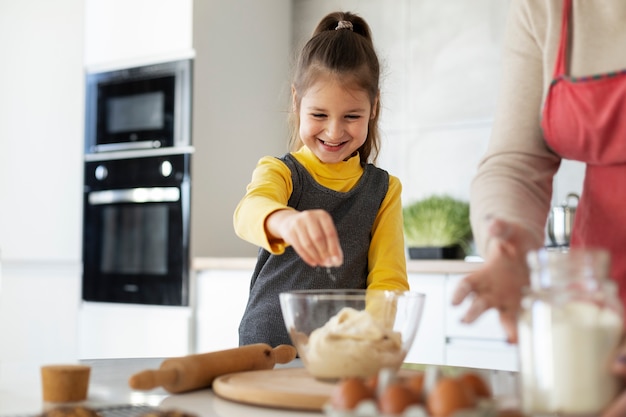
[[221, 297], [428, 347], [131, 32], [481, 344], [117, 330], [38, 312], [481, 353], [41, 119]]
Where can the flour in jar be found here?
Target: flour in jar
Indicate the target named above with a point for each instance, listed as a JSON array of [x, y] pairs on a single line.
[[565, 355]]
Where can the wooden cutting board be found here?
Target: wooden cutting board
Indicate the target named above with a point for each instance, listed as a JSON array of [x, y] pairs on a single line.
[[289, 388]]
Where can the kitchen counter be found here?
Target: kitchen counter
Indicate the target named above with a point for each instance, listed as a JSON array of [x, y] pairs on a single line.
[[443, 266], [20, 391]]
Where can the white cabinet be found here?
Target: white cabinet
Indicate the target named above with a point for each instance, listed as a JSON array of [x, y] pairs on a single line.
[[443, 339], [110, 330], [41, 130], [38, 305], [429, 344], [221, 297], [481, 344], [126, 33]]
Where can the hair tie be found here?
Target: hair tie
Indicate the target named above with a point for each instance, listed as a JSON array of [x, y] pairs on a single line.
[[344, 24]]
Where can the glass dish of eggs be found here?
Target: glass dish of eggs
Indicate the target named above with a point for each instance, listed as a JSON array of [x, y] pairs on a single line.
[[410, 393]]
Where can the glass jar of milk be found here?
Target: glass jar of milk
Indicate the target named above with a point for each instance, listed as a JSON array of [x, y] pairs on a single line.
[[569, 329]]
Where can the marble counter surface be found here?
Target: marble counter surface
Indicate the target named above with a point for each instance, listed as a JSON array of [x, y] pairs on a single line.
[[20, 392], [21, 395], [413, 266]]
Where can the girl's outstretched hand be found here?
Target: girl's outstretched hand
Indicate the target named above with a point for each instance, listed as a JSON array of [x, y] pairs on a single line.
[[311, 233], [498, 284]]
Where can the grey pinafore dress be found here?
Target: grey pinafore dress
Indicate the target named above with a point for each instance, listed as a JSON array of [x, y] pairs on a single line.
[[353, 212]]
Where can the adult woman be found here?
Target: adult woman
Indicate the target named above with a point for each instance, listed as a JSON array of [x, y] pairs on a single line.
[[511, 192], [563, 95]]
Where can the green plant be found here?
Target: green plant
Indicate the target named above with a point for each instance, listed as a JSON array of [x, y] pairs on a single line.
[[437, 221]]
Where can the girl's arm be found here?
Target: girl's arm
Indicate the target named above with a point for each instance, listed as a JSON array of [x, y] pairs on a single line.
[[264, 219], [387, 253], [267, 192]]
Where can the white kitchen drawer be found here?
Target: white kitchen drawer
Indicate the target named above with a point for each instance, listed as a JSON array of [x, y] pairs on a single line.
[[484, 354]]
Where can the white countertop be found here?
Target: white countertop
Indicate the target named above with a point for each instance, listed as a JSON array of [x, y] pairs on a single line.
[[20, 392]]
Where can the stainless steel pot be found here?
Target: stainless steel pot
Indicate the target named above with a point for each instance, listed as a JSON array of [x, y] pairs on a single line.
[[561, 221]]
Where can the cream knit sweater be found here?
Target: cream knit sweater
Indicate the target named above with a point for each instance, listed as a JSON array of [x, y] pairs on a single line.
[[514, 180]]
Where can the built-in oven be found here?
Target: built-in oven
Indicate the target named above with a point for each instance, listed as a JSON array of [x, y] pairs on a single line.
[[136, 230], [144, 107]]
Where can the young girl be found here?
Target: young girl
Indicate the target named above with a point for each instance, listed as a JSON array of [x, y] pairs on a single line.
[[324, 215]]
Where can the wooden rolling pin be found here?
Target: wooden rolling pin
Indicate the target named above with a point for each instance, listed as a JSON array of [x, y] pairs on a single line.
[[192, 372]]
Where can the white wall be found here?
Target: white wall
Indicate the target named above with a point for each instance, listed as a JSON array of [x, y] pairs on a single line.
[[241, 102]]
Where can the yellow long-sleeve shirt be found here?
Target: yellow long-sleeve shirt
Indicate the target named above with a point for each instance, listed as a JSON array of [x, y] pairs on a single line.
[[271, 187]]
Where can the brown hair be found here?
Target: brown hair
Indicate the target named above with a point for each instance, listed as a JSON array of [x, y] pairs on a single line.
[[347, 53]]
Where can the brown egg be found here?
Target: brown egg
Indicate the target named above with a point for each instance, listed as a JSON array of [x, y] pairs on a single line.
[[415, 384], [477, 384], [348, 393], [372, 382], [448, 396], [395, 398]]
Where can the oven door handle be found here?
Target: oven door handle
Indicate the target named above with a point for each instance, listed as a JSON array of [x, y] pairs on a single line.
[[135, 195]]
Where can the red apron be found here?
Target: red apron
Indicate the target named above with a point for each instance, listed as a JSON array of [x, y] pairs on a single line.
[[584, 119]]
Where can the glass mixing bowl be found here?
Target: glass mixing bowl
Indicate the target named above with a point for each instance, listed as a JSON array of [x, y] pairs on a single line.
[[351, 333]]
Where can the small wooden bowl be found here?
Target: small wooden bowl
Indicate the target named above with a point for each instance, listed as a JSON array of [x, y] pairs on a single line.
[[65, 383]]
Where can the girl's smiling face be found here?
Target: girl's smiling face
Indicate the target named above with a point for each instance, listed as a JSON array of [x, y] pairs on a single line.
[[334, 119]]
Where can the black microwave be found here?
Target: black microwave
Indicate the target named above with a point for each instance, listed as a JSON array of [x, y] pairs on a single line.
[[139, 108]]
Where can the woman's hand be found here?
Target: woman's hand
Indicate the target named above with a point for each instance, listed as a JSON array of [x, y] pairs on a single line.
[[498, 284], [311, 233], [618, 407]]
